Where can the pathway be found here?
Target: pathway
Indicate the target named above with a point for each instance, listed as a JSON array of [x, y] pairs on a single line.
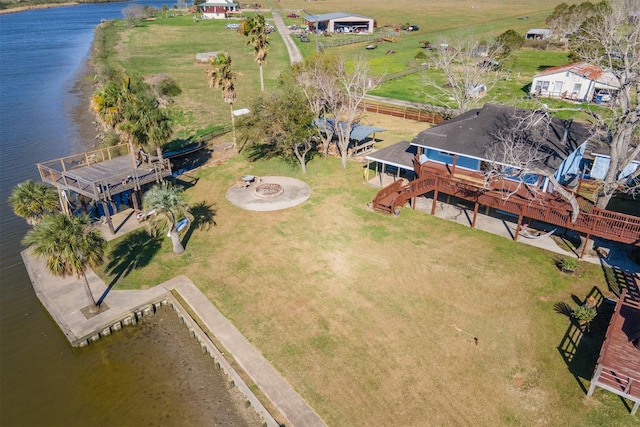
[[294, 52]]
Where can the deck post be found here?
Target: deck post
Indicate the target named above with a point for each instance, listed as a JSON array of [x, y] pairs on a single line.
[[635, 408], [134, 199], [435, 202], [105, 207], [584, 246], [594, 380], [515, 237], [475, 214]]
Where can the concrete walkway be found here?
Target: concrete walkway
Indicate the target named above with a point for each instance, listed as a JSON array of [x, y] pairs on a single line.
[[294, 52], [65, 299]]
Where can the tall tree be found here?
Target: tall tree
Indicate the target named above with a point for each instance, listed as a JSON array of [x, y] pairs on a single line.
[[611, 40], [567, 19], [69, 245], [170, 207], [33, 200], [255, 29], [281, 124], [222, 77]]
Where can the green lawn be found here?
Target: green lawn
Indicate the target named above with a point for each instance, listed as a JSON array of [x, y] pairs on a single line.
[[372, 318], [361, 312]]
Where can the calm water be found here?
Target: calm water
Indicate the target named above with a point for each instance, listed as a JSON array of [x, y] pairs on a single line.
[[131, 378]]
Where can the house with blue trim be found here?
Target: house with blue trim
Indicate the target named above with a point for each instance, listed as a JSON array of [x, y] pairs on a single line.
[[470, 141]]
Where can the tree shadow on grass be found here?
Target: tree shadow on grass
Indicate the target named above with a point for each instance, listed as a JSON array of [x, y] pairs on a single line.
[[579, 348], [203, 218], [134, 251]]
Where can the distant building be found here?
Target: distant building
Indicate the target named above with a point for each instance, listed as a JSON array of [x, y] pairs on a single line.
[[218, 9], [579, 81], [340, 22], [538, 34]]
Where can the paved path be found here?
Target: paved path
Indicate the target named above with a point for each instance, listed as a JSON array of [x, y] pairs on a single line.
[[64, 299], [294, 52]]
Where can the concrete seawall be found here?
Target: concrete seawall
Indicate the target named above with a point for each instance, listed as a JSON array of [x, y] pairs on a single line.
[[65, 299]]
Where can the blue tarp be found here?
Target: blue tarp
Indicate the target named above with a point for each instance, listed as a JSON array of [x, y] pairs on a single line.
[[358, 131]]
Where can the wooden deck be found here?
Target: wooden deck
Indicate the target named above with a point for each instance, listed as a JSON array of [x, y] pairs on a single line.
[[618, 368], [509, 196], [103, 173]]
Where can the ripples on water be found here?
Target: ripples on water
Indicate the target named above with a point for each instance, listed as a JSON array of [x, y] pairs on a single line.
[[153, 374]]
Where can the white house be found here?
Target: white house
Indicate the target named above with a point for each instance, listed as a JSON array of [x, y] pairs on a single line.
[[579, 81], [218, 9]]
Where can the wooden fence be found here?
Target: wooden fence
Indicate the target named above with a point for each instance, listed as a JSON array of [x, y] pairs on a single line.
[[404, 112]]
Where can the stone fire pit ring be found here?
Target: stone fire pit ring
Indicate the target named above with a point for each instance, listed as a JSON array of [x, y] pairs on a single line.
[[269, 193]]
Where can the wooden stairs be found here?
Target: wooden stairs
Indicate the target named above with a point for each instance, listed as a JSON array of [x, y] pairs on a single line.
[[592, 221]]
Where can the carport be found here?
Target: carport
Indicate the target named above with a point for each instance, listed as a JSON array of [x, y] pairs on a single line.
[[340, 22]]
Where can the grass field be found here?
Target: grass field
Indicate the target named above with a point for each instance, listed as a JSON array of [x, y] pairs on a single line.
[[361, 312], [372, 318], [169, 45]]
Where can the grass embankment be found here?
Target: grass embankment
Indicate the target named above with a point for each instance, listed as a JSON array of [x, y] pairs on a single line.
[[169, 45], [362, 312]]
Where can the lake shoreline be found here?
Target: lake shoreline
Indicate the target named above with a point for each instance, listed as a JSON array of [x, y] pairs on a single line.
[[36, 6]]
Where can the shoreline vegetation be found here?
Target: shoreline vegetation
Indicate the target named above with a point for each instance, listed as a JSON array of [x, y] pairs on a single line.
[[7, 7]]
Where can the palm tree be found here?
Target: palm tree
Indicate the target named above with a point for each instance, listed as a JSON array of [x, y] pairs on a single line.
[[254, 28], [69, 245], [169, 205], [33, 200], [221, 76]]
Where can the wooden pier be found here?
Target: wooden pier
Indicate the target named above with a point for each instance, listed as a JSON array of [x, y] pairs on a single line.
[[101, 174]]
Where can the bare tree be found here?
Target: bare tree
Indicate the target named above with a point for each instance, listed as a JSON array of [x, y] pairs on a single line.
[[353, 84], [566, 19], [520, 151], [316, 77], [134, 13], [611, 40], [462, 72]]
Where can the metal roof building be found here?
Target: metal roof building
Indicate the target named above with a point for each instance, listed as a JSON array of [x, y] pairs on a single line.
[[340, 22]]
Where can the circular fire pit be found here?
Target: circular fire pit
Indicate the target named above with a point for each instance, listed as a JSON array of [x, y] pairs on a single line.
[[269, 190]]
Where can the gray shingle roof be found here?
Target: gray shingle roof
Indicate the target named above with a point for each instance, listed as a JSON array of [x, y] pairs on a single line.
[[400, 155], [474, 132]]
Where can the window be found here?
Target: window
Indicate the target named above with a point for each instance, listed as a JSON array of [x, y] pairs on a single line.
[[577, 87], [541, 86]]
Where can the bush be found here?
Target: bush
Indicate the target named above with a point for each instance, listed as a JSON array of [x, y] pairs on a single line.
[[169, 87], [584, 313], [569, 264]]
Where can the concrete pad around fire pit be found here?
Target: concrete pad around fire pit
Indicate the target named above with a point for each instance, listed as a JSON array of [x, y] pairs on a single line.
[[269, 193]]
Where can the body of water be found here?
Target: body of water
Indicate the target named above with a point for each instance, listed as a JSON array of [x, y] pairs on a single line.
[[152, 374]]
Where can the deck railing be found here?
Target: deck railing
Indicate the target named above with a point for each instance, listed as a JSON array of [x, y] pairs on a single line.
[[596, 222], [64, 164]]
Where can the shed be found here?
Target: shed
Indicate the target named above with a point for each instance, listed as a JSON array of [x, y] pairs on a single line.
[[538, 34], [340, 22]]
